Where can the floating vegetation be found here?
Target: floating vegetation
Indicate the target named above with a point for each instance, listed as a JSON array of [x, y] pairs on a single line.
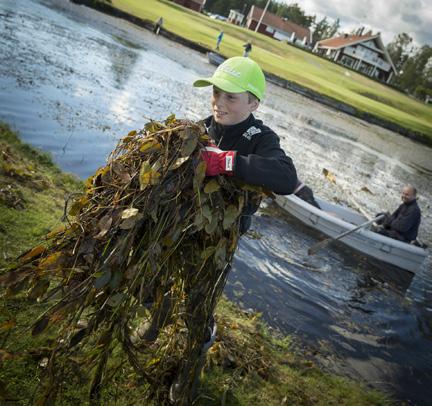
[[151, 238]]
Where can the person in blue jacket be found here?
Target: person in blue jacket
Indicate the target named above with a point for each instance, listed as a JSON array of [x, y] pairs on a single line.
[[219, 39]]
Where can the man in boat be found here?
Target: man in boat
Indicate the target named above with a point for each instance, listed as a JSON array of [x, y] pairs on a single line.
[[404, 223]]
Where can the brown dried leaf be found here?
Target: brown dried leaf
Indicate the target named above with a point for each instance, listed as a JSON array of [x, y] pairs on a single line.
[[104, 225], [8, 324], [329, 175], [33, 253], [148, 176]]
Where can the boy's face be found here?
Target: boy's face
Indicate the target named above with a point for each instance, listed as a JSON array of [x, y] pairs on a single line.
[[232, 108]]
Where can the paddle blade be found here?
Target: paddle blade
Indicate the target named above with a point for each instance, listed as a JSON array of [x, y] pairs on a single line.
[[316, 247]]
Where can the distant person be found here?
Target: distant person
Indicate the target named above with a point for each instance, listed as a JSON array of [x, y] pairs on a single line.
[[404, 223], [158, 25], [247, 49], [305, 193], [219, 39]]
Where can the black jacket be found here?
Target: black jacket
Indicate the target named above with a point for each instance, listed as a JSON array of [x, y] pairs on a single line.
[[260, 160], [406, 220]]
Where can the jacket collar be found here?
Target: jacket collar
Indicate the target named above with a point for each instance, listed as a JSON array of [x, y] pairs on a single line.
[[217, 131]]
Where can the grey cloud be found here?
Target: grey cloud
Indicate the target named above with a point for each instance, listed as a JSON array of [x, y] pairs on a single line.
[[390, 17]]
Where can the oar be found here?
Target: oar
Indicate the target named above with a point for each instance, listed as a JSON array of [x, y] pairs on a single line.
[[312, 250]]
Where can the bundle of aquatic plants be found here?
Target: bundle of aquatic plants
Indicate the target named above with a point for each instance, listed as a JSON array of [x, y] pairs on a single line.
[[150, 225]]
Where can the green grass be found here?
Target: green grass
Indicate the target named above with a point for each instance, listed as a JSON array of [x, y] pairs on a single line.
[[290, 63], [248, 365], [32, 194]]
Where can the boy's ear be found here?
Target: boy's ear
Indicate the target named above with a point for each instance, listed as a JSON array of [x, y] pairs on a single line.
[[254, 104]]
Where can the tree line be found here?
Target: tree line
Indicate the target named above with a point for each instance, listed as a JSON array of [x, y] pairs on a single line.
[[413, 64]]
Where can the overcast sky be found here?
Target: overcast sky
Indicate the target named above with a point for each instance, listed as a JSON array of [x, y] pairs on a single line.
[[390, 17]]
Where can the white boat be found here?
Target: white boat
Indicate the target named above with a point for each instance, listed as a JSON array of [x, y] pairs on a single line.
[[215, 58], [334, 219]]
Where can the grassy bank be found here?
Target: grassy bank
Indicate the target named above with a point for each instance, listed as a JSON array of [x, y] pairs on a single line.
[[290, 63], [248, 365]]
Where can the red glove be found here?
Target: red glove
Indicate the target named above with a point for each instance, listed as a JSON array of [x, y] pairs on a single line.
[[218, 162]]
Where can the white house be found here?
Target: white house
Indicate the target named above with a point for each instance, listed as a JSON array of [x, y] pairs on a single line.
[[364, 53], [235, 17]]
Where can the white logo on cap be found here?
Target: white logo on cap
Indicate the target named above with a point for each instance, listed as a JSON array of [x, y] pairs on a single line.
[[230, 71]]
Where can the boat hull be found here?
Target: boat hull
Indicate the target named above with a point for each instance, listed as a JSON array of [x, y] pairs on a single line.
[[334, 220]]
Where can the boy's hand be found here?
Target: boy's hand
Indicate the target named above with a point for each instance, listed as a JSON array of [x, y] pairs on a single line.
[[218, 162]]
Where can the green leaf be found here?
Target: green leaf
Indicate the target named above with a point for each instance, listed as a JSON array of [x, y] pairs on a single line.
[[116, 279], [40, 325], [39, 289], [199, 176], [102, 280], [230, 215], [212, 186], [170, 119], [148, 176], [220, 254], [116, 299], [207, 213], [211, 227], [188, 146], [208, 252], [153, 126]]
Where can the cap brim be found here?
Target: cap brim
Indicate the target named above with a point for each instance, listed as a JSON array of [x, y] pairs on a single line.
[[222, 84]]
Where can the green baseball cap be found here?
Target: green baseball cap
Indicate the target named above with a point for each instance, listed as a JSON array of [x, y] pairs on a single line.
[[237, 75]]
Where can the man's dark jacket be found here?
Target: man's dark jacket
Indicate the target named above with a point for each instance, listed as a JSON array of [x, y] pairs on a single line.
[[405, 220], [260, 160]]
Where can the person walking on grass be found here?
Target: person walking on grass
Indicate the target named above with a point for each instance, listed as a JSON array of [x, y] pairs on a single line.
[[247, 49], [219, 39], [158, 25]]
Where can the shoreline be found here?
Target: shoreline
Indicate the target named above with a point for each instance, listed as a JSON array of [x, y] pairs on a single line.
[[274, 79]]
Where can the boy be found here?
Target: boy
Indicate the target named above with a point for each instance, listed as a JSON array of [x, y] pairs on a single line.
[[243, 147]]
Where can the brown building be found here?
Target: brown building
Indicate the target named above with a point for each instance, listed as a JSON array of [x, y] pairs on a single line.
[[196, 5], [277, 27], [364, 53]]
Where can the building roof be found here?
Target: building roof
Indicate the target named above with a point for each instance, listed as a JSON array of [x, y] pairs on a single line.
[[277, 22], [344, 40]]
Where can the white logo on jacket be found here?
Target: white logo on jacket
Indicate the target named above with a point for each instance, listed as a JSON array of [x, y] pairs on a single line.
[[250, 132], [229, 163]]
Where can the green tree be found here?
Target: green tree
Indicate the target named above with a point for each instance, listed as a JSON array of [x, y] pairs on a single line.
[[415, 75], [323, 29], [399, 49]]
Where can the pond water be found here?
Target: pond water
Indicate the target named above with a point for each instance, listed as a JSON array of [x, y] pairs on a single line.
[[73, 81]]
